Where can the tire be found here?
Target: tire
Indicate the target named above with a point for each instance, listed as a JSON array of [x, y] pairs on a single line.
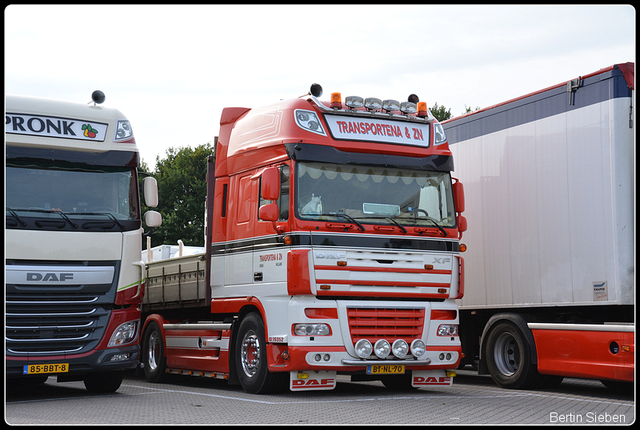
[[153, 358], [251, 359], [104, 382], [508, 357]]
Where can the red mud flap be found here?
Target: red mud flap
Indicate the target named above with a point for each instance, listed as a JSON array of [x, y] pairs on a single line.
[[312, 380], [431, 378]]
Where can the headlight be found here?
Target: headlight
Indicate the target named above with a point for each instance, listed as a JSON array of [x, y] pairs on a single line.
[[311, 330], [400, 348], [124, 334], [382, 349], [418, 348], [123, 130], [363, 348], [448, 330]]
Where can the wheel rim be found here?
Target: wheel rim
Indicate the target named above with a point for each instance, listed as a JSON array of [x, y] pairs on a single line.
[[507, 354], [153, 353], [250, 353]]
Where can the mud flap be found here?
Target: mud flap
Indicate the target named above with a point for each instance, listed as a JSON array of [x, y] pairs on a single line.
[[430, 378], [312, 380]]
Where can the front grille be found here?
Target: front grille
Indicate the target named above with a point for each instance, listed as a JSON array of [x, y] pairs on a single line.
[[385, 323], [55, 325], [56, 319]]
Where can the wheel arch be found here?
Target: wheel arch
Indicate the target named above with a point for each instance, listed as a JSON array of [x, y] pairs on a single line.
[[517, 319], [158, 319]]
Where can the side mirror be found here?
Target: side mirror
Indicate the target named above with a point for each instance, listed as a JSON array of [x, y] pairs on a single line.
[[269, 212], [150, 189], [458, 196], [153, 219], [270, 183]]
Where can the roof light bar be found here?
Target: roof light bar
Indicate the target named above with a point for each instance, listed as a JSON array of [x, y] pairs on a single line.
[[408, 107], [354, 102], [391, 105], [372, 103]]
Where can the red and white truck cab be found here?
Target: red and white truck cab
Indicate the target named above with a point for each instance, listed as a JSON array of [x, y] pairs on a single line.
[[332, 247]]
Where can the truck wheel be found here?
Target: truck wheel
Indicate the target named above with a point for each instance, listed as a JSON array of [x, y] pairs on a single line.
[[251, 359], [508, 357], [153, 353], [104, 382]]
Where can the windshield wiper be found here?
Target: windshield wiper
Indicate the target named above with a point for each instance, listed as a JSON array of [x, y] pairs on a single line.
[[108, 214], [391, 220], [62, 214], [444, 232], [46, 211], [15, 215], [347, 217]]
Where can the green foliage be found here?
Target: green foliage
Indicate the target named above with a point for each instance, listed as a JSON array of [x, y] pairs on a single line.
[[182, 190], [440, 112]]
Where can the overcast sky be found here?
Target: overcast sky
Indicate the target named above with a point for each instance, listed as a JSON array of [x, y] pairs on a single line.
[[172, 69]]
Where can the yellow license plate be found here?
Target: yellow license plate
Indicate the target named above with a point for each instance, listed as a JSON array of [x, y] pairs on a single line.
[[34, 369], [385, 369]]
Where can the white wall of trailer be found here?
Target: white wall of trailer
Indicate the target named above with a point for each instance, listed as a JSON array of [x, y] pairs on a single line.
[[551, 210]]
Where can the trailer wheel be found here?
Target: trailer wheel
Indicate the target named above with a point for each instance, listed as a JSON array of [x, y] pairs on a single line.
[[251, 359], [508, 357], [153, 353]]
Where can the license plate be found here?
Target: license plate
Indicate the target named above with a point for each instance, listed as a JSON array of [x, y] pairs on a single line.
[[33, 369], [385, 369]]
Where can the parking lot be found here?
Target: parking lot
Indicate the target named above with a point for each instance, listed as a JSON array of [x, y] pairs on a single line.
[[472, 399]]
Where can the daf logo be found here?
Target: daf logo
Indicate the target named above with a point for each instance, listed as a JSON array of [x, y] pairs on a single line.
[[49, 277], [331, 255]]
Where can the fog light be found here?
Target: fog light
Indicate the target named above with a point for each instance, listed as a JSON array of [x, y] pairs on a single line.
[[400, 348], [317, 357], [120, 357], [363, 348], [382, 349], [448, 356], [326, 357], [418, 348]]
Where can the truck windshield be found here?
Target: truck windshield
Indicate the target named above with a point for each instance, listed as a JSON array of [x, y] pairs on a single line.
[[374, 195], [109, 193]]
